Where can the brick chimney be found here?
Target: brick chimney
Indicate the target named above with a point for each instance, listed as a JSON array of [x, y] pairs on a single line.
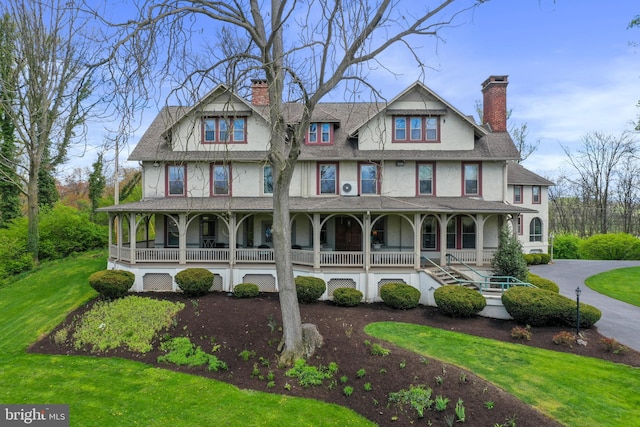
[[494, 91], [259, 92]]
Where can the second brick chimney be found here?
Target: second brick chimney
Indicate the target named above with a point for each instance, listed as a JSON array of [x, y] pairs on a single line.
[[494, 91], [259, 92]]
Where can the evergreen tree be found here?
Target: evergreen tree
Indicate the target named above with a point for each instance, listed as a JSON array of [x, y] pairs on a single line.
[[9, 188], [508, 259], [97, 183]]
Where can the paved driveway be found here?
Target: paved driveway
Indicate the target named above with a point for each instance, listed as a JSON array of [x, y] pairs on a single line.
[[619, 319]]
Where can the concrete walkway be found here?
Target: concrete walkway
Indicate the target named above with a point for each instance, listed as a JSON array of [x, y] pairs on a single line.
[[619, 319]]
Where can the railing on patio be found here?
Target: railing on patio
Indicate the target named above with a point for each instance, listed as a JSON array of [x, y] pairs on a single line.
[[254, 255], [157, 255], [401, 259], [302, 256], [207, 255], [341, 259]]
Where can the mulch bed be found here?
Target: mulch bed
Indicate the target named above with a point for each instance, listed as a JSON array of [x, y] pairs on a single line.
[[253, 325]]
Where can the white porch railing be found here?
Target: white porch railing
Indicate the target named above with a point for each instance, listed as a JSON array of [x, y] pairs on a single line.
[[207, 255], [341, 259], [302, 256], [157, 255], [254, 255], [402, 259]]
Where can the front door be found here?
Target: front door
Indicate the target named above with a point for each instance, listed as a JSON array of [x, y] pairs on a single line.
[[348, 234]]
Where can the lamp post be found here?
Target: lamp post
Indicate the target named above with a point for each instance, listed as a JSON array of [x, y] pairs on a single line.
[[578, 292]]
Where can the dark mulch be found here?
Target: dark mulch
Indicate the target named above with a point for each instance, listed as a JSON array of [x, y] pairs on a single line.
[[246, 324]]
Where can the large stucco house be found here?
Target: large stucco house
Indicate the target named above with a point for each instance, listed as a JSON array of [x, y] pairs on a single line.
[[381, 192]]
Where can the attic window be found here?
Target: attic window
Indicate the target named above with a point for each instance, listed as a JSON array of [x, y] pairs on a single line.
[[320, 133], [416, 129], [224, 130]]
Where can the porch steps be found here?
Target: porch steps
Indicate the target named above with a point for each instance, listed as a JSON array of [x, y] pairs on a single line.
[[449, 276]]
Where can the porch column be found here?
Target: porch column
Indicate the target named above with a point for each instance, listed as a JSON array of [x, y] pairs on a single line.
[[110, 232], [133, 226], [417, 241], [316, 240], [443, 218], [233, 238], [182, 240], [479, 239], [119, 236], [367, 241]]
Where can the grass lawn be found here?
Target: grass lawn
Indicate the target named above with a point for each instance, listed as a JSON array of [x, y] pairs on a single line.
[[622, 284], [117, 392], [577, 391]]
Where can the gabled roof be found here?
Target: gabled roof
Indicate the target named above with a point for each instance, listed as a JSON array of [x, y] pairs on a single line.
[[519, 175], [479, 131]]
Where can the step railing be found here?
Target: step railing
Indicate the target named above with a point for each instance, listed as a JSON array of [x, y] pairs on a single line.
[[486, 282]]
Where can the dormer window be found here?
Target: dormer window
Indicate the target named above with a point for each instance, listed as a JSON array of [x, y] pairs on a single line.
[[224, 130], [320, 133], [416, 129]]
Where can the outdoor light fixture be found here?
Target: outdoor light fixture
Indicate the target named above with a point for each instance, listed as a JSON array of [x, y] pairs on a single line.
[[578, 292], [399, 162]]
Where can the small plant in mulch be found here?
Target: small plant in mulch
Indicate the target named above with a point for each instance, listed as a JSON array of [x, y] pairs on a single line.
[[377, 349], [182, 352], [612, 346], [564, 337], [518, 332], [348, 391], [417, 398]]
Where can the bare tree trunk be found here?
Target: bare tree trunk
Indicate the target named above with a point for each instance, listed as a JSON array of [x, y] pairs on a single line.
[[33, 235]]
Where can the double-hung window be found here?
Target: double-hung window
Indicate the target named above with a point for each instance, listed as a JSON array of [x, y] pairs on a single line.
[[535, 194], [320, 133], [472, 179], [220, 180], [176, 180], [430, 233], [267, 180], [416, 129], [517, 194], [221, 130], [369, 178], [327, 178], [535, 230], [426, 179]]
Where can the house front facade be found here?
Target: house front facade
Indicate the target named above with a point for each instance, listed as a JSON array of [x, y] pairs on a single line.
[[381, 192]]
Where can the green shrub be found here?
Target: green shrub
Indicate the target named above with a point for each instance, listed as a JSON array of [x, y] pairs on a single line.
[[508, 259], [537, 259], [195, 282], [618, 246], [543, 283], [246, 290], [112, 283], [539, 307], [458, 301], [400, 295], [309, 289], [533, 306], [566, 246], [528, 258], [545, 258], [347, 297]]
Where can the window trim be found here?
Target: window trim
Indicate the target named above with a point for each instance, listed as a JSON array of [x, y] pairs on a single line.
[[318, 141], [533, 194], [464, 180], [433, 179], [336, 191], [518, 200], [231, 130], [378, 178], [264, 182], [423, 129], [167, 186], [212, 184]]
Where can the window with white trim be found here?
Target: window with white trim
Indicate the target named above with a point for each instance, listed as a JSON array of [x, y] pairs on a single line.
[[535, 230], [327, 178], [220, 180], [426, 179], [369, 178], [176, 180], [472, 179]]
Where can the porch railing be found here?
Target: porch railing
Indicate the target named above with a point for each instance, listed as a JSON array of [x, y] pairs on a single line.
[[254, 255], [157, 255], [342, 258], [207, 255], [402, 259]]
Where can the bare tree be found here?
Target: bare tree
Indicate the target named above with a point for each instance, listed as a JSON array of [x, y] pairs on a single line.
[[304, 51], [596, 163], [627, 194], [50, 102]]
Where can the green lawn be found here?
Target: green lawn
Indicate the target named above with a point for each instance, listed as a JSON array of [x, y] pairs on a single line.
[[622, 284], [117, 392], [577, 391]]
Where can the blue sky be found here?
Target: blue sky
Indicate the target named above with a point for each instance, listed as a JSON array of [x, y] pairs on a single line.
[[570, 64]]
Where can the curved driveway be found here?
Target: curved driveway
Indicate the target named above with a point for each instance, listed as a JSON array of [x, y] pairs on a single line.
[[619, 319]]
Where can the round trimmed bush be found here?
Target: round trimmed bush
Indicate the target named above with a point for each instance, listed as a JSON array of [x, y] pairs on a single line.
[[545, 258], [588, 314], [112, 283], [309, 289], [543, 283], [458, 301], [400, 295], [347, 297], [194, 282], [529, 258], [246, 290]]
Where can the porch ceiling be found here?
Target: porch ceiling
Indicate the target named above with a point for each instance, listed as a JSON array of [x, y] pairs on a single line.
[[320, 204]]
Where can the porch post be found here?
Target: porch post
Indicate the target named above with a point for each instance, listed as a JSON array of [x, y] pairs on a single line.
[[367, 241], [316, 240], [182, 242], [233, 238], [479, 239], [417, 244], [132, 236], [119, 236], [110, 232], [443, 219]]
